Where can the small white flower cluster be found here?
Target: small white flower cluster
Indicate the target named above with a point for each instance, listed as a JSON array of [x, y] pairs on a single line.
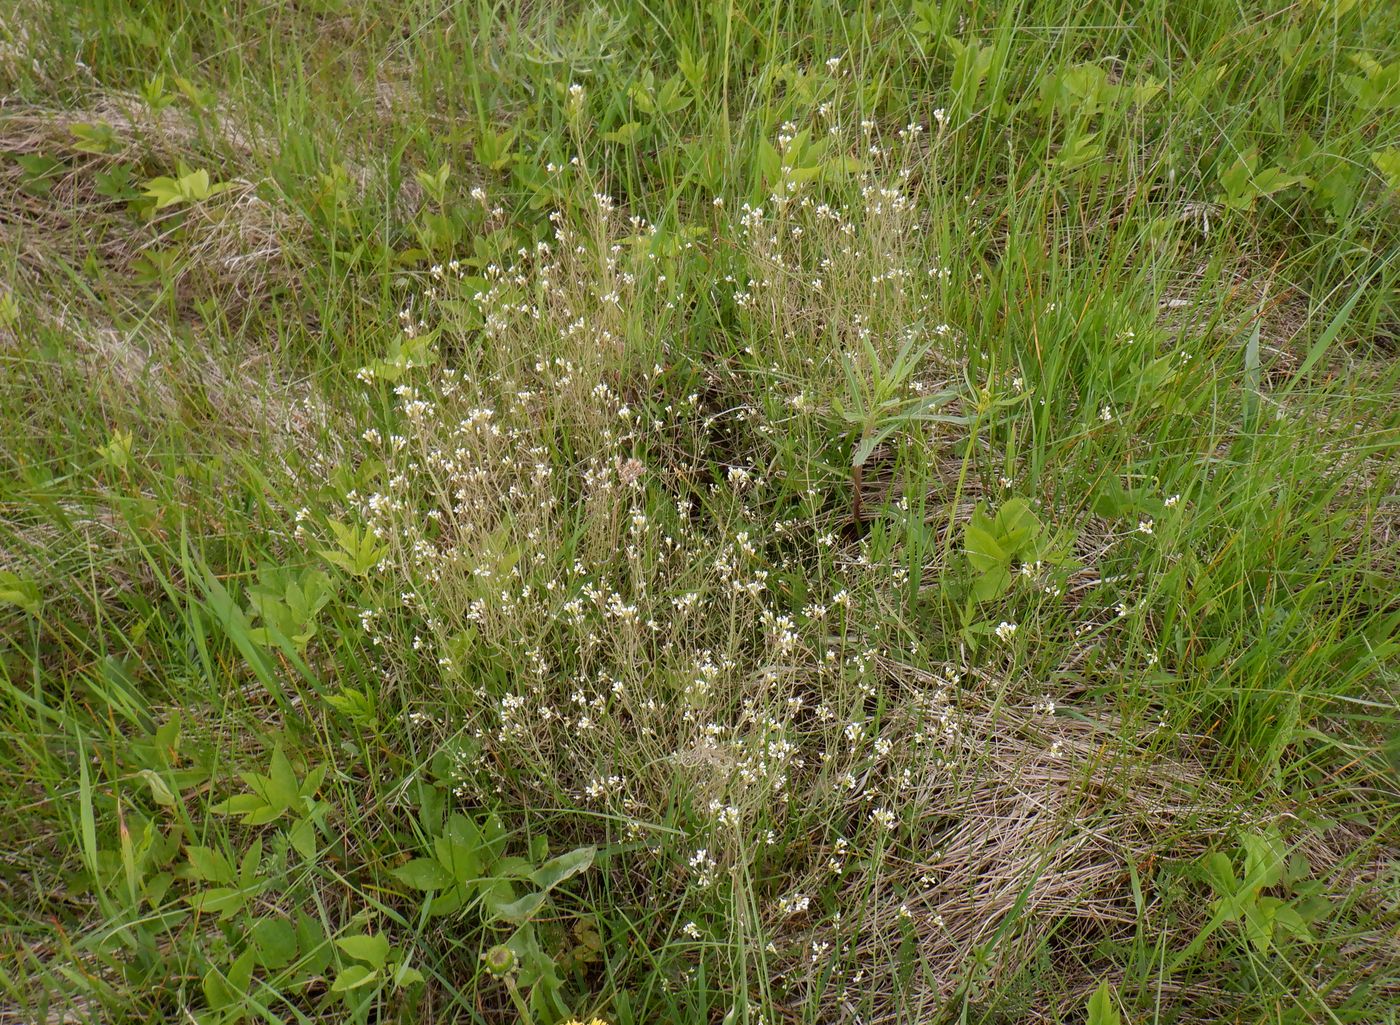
[[617, 622]]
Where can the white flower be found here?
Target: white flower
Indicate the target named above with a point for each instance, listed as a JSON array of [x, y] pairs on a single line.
[[794, 905], [1005, 631], [1145, 525]]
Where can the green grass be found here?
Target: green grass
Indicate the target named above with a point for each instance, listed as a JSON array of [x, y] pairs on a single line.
[[699, 513]]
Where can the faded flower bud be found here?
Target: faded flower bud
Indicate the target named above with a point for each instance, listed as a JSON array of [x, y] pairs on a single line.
[[500, 960]]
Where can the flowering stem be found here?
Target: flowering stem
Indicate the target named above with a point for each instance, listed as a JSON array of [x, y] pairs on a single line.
[[519, 1002], [857, 472]]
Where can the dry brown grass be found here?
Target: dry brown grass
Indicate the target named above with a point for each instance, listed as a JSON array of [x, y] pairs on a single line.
[[235, 248], [1034, 835]]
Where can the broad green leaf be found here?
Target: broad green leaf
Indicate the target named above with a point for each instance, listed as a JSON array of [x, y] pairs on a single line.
[[249, 864], [1264, 859], [512, 868], [160, 790], [1145, 90], [239, 804], [983, 550], [461, 862], [1014, 514], [992, 584], [275, 941], [302, 837], [406, 975], [1102, 1010], [40, 172], [316, 952], [1220, 873], [209, 865], [463, 830], [624, 134], [221, 900], [1274, 179], [283, 788], [1081, 150], [423, 874], [448, 901], [1286, 917], [373, 950], [218, 994], [353, 977], [96, 138], [227, 989], [493, 838], [19, 591], [1259, 923], [555, 871], [1387, 162], [518, 910], [165, 191], [495, 892]]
